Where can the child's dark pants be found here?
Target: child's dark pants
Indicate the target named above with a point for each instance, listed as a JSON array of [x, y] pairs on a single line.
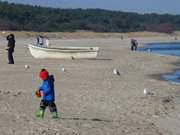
[[50, 104]]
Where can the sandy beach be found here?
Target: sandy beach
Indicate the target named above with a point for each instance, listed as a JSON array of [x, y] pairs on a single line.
[[91, 100]]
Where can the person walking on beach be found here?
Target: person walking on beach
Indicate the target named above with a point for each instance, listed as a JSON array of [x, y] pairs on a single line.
[[10, 48], [46, 91]]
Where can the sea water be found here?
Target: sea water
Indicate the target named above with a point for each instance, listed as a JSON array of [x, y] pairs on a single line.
[[173, 49], [162, 48]]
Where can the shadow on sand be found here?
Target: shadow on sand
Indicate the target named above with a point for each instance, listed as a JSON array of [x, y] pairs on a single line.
[[105, 59], [100, 59], [87, 119]]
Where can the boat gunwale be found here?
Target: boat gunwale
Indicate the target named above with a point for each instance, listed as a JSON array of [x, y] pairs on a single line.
[[67, 49]]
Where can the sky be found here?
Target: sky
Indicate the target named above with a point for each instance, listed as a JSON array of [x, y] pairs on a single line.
[[139, 6]]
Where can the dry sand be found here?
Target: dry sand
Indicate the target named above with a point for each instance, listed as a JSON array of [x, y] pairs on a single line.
[[90, 99]]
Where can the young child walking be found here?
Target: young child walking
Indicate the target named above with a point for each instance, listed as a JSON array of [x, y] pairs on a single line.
[[46, 91]]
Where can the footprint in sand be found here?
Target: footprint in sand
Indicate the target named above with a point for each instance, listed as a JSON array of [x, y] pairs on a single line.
[[18, 94]]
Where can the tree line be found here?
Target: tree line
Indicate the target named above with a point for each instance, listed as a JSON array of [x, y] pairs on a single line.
[[41, 19]]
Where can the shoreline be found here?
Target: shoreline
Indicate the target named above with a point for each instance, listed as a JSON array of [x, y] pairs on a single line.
[[171, 72]]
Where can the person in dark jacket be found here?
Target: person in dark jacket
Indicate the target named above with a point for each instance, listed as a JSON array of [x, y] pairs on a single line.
[[10, 47], [134, 45], [46, 91]]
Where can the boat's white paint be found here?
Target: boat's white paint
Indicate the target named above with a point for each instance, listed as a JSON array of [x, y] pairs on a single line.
[[63, 52]]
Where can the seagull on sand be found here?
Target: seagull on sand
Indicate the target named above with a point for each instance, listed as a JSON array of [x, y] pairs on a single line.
[[146, 92], [116, 72], [26, 66]]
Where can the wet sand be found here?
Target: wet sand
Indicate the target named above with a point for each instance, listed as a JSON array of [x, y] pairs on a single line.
[[90, 98]]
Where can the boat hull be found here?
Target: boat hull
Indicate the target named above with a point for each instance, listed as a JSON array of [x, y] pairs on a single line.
[[63, 52]]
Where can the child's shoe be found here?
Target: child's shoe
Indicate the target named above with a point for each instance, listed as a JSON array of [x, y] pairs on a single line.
[[55, 115], [40, 114]]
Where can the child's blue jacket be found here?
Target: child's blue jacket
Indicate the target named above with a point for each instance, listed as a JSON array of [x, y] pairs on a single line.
[[47, 87]]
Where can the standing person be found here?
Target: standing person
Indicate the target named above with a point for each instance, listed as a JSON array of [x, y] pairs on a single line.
[[134, 45], [46, 41], [41, 40], [10, 48], [37, 40], [46, 91]]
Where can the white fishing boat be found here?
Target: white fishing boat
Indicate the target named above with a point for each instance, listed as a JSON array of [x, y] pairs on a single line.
[[38, 51]]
